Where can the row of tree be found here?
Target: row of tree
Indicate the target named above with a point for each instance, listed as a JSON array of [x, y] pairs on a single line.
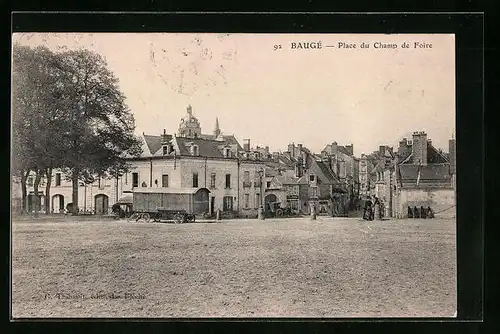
[[68, 113]]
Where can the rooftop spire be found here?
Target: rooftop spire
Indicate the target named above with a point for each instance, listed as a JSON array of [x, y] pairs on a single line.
[[217, 129]]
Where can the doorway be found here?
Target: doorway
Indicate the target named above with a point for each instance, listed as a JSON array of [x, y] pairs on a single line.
[[58, 203], [212, 205], [101, 204]]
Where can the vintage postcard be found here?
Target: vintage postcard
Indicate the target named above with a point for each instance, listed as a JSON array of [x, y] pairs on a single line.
[[183, 175]]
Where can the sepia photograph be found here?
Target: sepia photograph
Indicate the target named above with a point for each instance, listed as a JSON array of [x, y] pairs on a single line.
[[233, 175]]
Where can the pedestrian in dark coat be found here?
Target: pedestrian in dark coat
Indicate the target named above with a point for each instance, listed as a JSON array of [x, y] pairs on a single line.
[[367, 212]]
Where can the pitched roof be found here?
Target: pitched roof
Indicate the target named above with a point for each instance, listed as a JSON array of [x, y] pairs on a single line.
[[428, 173], [153, 143], [343, 150], [206, 148], [433, 156], [230, 140], [326, 174]]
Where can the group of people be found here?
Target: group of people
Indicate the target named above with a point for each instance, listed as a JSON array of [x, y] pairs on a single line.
[[373, 208], [420, 213]]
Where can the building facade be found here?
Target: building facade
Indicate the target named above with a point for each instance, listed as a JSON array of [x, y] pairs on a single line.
[[424, 178]]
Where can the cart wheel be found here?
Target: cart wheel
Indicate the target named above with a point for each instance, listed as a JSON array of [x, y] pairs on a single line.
[[133, 217], [279, 213], [157, 217], [190, 218], [144, 218], [178, 218]]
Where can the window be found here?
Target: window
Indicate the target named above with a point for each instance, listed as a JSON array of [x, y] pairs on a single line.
[[257, 200], [164, 180], [58, 179], [195, 180], [165, 150], [135, 180], [30, 181], [212, 180], [194, 150], [247, 201], [228, 203], [246, 179], [314, 192], [126, 178], [228, 181], [144, 184], [293, 190], [268, 184], [312, 177]]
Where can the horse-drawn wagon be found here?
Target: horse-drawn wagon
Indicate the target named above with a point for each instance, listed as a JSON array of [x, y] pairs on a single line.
[[180, 205]]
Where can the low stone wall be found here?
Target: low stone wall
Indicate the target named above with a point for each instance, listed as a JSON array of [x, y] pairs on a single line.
[[441, 201]]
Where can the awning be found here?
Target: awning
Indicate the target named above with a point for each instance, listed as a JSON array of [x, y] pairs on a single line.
[[127, 199]]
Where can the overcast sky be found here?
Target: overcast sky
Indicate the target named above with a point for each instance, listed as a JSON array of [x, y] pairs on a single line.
[[368, 97]]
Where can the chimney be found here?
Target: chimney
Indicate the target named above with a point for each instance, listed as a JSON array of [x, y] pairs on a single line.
[[381, 151], [291, 149], [350, 149], [276, 156], [453, 156], [403, 147], [299, 146], [333, 150], [165, 138], [246, 145], [267, 149], [419, 148]]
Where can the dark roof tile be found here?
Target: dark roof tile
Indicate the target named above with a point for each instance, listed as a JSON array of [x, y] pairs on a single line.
[[435, 172], [153, 143]]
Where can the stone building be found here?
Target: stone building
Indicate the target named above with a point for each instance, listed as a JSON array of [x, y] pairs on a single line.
[[424, 177], [189, 159], [314, 182], [344, 165]]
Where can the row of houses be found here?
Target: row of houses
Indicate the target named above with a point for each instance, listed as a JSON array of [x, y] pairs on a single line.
[[243, 178], [415, 175]]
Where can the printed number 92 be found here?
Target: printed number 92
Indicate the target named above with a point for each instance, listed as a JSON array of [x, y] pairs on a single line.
[[276, 47]]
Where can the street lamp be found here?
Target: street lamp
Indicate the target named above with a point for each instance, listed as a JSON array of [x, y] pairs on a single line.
[[261, 207]]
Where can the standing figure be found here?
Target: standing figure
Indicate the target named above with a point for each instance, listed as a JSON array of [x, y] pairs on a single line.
[[423, 212], [367, 212], [410, 212], [416, 214], [376, 208]]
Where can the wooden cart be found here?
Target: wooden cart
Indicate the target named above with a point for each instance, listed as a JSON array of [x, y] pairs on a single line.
[[180, 205]]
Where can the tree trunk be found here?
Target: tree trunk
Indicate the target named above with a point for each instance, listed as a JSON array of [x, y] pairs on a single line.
[[48, 173], [74, 181], [36, 197], [24, 177]]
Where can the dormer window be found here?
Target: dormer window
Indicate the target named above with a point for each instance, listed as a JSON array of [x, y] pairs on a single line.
[[195, 150], [227, 152], [167, 149]]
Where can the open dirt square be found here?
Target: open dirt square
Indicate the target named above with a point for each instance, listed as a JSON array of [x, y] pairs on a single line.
[[241, 268]]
